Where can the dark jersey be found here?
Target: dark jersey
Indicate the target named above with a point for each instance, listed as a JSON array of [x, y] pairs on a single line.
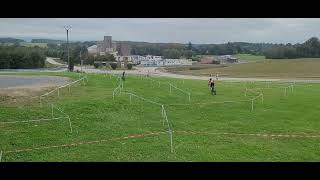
[[212, 84]]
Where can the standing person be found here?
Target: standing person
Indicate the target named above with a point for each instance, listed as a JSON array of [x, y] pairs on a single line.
[[211, 84], [123, 75]]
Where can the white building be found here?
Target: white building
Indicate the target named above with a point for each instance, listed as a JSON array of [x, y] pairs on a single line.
[[166, 62], [92, 49], [227, 59], [136, 59], [150, 57], [175, 62], [148, 63]]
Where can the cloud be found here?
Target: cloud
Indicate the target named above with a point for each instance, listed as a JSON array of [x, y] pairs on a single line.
[[196, 30]]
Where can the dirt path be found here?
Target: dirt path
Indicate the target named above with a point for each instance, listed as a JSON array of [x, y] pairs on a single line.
[[52, 61], [156, 71]]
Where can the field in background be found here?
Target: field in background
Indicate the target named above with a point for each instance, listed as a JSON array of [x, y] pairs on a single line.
[[250, 57], [29, 44], [107, 129], [282, 68]]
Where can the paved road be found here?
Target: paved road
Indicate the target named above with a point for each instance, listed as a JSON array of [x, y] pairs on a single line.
[[52, 61]]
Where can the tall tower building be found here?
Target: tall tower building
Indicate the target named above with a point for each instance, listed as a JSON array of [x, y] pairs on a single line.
[[107, 41], [124, 49]]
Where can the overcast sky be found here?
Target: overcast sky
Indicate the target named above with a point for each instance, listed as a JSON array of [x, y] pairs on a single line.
[[197, 30]]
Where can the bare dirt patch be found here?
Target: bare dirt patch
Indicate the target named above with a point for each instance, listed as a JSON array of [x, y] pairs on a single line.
[[14, 88]]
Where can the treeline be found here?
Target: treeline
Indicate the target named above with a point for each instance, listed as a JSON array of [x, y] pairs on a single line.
[[308, 49], [61, 51], [11, 40], [19, 57], [51, 41], [190, 50]]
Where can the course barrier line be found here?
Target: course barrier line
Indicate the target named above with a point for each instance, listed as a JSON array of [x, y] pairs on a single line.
[[139, 97], [36, 120], [67, 116], [58, 88], [163, 114], [84, 142], [165, 118], [213, 102], [45, 119], [170, 85], [120, 87], [188, 93], [251, 134]]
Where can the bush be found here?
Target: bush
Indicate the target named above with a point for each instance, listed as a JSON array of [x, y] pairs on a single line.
[[113, 65], [18, 57], [129, 66], [97, 65]]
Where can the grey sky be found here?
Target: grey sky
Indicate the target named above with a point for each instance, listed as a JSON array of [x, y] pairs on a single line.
[[196, 30]]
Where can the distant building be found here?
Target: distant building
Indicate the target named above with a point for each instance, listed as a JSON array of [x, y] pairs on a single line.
[[106, 46], [209, 60], [124, 49], [174, 62], [227, 59], [92, 49], [136, 59], [157, 61]]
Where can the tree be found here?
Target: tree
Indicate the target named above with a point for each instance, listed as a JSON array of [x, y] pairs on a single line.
[[129, 66], [113, 65], [18, 57], [171, 54], [188, 54], [88, 59]]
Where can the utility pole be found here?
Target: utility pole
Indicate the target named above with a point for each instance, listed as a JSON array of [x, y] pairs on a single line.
[[81, 61], [67, 29]]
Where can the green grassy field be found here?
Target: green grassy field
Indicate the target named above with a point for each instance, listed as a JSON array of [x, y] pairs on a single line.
[[285, 68], [107, 129], [250, 57], [29, 44]]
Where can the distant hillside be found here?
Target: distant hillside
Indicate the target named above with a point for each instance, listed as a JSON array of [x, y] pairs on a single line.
[[10, 40], [48, 41]]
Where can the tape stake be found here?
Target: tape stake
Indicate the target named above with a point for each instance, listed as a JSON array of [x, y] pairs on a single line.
[[251, 105], [52, 111], [130, 99], [1, 156], [189, 97], [70, 126], [171, 144], [162, 110], [262, 98]]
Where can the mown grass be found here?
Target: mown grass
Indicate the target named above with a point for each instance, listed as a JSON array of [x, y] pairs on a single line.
[[250, 57], [95, 116], [283, 68], [29, 44]]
